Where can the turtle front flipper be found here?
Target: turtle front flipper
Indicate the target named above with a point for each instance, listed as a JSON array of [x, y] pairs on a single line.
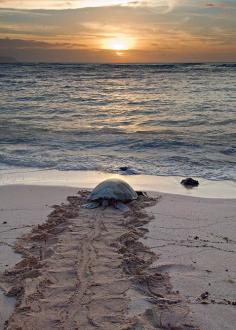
[[105, 203]]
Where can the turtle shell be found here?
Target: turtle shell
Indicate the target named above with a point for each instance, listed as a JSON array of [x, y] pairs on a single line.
[[113, 189]]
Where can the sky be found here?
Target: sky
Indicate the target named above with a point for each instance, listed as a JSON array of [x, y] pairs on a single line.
[[104, 31]]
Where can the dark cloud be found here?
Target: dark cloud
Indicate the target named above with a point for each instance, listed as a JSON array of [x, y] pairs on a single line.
[[216, 5], [15, 44], [221, 4]]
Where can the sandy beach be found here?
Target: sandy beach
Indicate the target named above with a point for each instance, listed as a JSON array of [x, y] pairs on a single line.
[[142, 91], [195, 239], [169, 263], [22, 207]]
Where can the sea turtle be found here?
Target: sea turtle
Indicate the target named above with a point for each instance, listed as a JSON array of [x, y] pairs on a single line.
[[114, 192]]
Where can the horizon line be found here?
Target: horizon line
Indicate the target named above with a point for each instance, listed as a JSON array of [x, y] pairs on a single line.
[[120, 63]]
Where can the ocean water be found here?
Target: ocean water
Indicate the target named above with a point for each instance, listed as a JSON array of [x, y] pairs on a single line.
[[174, 119]]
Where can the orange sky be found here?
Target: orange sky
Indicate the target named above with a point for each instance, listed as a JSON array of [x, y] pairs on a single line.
[[118, 30]]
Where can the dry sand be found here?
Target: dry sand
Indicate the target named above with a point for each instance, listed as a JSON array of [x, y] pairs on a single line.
[[86, 269], [167, 264], [22, 207], [195, 239]]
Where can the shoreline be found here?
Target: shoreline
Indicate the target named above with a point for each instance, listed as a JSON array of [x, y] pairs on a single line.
[[89, 179], [44, 194]]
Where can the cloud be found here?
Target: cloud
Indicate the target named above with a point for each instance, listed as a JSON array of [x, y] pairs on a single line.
[[73, 4], [70, 34], [210, 5], [222, 5], [174, 3], [16, 44], [60, 4]]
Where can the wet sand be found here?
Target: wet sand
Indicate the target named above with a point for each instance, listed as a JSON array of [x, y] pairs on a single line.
[[89, 179], [146, 269]]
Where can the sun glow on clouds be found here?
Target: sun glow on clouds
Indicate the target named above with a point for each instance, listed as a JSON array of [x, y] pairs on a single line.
[[118, 44], [118, 30], [60, 4], [72, 4]]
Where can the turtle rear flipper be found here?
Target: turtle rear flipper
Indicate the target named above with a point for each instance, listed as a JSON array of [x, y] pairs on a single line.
[[121, 206], [91, 205]]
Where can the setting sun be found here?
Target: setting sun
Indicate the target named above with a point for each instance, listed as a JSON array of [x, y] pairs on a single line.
[[118, 44]]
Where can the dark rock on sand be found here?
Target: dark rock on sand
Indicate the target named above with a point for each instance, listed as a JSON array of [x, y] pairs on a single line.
[[190, 183], [127, 170], [205, 295], [124, 168]]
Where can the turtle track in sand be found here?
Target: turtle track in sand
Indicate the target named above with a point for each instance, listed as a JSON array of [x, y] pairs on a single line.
[[79, 267]]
